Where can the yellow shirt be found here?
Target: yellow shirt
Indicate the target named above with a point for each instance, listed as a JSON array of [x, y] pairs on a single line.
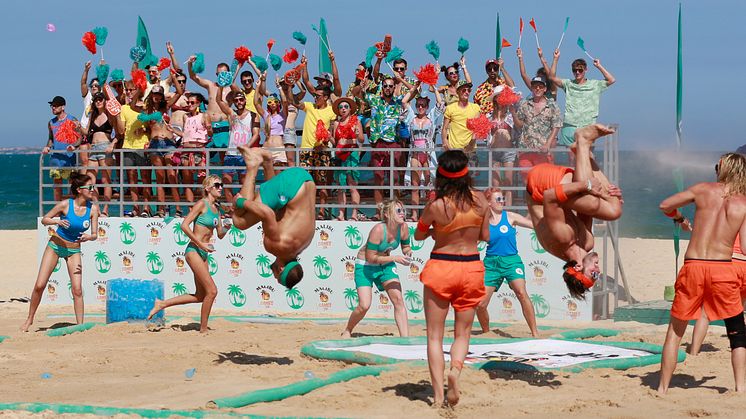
[[459, 136], [250, 101], [131, 124], [313, 115]]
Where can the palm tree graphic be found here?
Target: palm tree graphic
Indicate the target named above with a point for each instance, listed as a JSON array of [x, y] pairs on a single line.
[[179, 236], [481, 245], [154, 263], [262, 265], [236, 295], [212, 265], [541, 307], [178, 288], [416, 244], [236, 236], [103, 264], [535, 245], [294, 298], [413, 301], [321, 267], [127, 233], [353, 239], [351, 298]]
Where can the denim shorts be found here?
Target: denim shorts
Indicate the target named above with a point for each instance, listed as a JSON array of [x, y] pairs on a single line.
[[135, 158], [98, 151], [289, 137], [160, 144], [233, 160]]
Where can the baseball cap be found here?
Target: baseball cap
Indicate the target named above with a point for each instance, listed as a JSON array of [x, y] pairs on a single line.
[[324, 76], [157, 89], [469, 85], [58, 101], [539, 79]]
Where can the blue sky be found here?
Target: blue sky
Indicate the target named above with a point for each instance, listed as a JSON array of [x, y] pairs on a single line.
[[635, 40]]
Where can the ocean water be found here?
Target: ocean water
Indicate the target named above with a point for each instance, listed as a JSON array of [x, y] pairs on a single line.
[[646, 178]]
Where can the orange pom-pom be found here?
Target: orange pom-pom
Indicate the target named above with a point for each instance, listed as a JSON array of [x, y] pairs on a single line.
[[67, 133], [140, 80], [479, 126], [242, 54], [290, 55], [427, 74], [322, 133], [163, 64], [360, 74], [89, 42], [508, 97]]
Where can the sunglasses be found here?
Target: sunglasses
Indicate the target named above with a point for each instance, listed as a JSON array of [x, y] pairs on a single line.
[[217, 185], [578, 70], [246, 81], [388, 86], [99, 99], [452, 73], [500, 199], [129, 90], [87, 187], [400, 68], [192, 102], [344, 106], [399, 211], [181, 80], [421, 105]]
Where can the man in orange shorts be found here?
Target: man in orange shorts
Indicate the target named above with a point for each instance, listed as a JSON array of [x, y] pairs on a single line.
[[562, 203], [708, 279]]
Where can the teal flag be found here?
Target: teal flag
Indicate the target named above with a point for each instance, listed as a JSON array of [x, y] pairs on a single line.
[[325, 65], [678, 172], [498, 39], [143, 40]]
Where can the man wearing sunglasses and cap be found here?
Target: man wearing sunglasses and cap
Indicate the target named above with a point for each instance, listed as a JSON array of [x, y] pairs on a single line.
[[484, 94], [284, 205], [324, 80], [62, 141]]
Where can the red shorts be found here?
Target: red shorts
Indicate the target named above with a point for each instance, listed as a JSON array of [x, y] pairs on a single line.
[[530, 159], [709, 284], [544, 176], [382, 158], [740, 267], [460, 283]]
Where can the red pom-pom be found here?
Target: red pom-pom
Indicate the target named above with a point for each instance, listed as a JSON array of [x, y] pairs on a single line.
[[270, 44], [322, 133], [89, 42], [360, 74], [479, 126], [507, 97], [163, 64], [290, 55], [140, 80], [242, 54], [427, 74], [67, 133]]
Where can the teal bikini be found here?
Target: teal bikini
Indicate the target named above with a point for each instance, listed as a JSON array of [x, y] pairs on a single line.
[[208, 219], [367, 274]]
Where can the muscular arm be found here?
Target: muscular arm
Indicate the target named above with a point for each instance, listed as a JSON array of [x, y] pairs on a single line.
[[337, 84], [197, 79], [608, 76], [551, 73], [224, 107], [676, 201], [518, 220], [306, 79], [179, 90]]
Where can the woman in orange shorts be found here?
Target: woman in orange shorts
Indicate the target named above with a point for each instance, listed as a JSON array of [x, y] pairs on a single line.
[[454, 275]]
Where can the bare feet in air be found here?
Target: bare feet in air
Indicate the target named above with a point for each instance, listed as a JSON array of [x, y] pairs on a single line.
[[158, 306], [590, 133]]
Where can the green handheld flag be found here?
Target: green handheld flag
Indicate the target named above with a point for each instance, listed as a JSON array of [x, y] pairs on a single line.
[[143, 40], [567, 22], [325, 65], [498, 38], [678, 173], [581, 44]]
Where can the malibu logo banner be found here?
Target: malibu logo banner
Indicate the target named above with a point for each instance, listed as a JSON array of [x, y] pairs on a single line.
[[324, 232], [154, 263], [180, 265], [102, 262], [382, 300], [100, 287], [541, 307], [507, 303], [236, 237], [156, 231], [573, 311], [103, 231], [353, 238], [52, 289], [415, 244], [265, 296], [180, 237], [321, 267], [349, 267], [236, 296], [127, 257], [414, 268], [294, 298], [325, 295], [537, 269], [178, 288], [127, 234], [413, 301], [234, 264], [263, 265]]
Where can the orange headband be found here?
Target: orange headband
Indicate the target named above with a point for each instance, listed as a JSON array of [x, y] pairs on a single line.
[[452, 175], [587, 282]]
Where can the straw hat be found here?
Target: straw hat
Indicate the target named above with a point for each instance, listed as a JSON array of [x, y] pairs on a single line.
[[349, 101]]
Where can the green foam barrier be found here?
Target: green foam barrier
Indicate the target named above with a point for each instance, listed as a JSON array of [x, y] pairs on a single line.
[[63, 331], [2, 338], [295, 389], [111, 411], [587, 333]]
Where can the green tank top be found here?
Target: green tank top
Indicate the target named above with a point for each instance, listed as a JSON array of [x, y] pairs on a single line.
[[209, 218], [385, 246]]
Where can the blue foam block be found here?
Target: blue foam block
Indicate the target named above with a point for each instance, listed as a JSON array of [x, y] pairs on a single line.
[[132, 299]]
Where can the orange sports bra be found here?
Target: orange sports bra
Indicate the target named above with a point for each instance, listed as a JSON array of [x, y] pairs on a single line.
[[461, 220]]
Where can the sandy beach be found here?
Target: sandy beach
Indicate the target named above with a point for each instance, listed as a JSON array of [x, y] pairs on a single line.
[[125, 365]]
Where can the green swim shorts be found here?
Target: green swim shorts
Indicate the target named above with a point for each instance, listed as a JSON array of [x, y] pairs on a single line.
[[500, 268], [567, 135], [62, 251], [281, 189], [367, 275], [191, 247]]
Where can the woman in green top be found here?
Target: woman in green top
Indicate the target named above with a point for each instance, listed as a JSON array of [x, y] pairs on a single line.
[[205, 215], [375, 265]]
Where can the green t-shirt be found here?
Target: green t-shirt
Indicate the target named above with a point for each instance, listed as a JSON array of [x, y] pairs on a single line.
[[582, 101]]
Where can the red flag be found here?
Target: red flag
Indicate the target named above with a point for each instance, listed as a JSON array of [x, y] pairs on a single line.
[[506, 43], [270, 44], [520, 25], [533, 24]]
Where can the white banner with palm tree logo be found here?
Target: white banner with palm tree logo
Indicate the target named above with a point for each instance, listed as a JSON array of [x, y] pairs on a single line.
[[151, 248]]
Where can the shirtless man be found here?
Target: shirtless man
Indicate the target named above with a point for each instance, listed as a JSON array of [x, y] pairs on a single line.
[[562, 203], [708, 279], [285, 207], [220, 124]]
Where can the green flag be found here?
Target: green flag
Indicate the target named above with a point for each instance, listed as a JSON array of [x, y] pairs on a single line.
[[498, 39], [325, 65], [144, 41], [678, 172]]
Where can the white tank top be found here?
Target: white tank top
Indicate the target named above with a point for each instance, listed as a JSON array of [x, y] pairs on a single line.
[[240, 133]]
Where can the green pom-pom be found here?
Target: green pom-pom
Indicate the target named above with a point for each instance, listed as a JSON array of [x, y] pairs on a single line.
[[102, 73], [260, 63], [117, 75], [298, 36], [101, 33], [199, 63], [147, 117], [275, 61], [225, 78], [137, 53], [463, 45], [369, 54], [433, 49], [394, 55]]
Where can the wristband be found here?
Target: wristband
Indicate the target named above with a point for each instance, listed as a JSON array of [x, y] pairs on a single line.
[[561, 195], [422, 227], [589, 186]]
